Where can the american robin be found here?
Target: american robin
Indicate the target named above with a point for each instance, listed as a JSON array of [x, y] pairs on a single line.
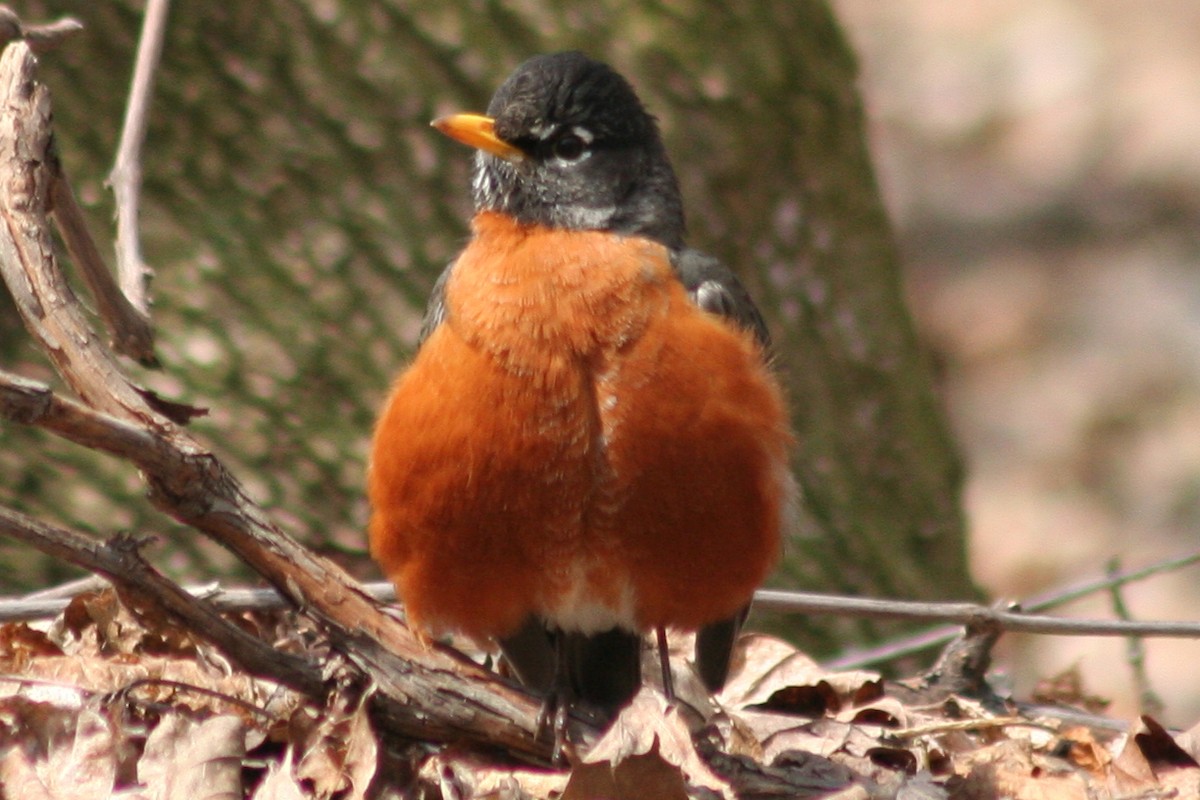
[[590, 443]]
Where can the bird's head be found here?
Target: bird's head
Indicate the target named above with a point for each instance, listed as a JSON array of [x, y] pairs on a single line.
[[566, 143]]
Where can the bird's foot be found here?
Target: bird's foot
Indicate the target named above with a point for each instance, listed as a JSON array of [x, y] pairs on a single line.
[[664, 662], [554, 721]]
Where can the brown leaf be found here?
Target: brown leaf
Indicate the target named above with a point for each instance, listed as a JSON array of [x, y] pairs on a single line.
[[93, 610], [179, 413], [1084, 751], [824, 737], [893, 758], [766, 665], [763, 665], [185, 759], [280, 782], [63, 754], [1010, 769], [1183, 782], [633, 778], [875, 716], [1160, 748], [456, 772], [1189, 740], [885, 712], [1131, 771], [340, 754], [649, 725], [99, 623], [19, 644], [869, 692], [815, 700]]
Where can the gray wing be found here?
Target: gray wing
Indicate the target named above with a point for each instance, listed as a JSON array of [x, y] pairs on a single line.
[[716, 289], [435, 308]]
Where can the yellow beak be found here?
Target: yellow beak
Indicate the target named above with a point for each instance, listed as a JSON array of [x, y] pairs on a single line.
[[478, 131]]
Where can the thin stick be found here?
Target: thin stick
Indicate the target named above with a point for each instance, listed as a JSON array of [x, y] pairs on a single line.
[[49, 603], [1135, 651], [128, 326], [938, 637], [967, 613], [242, 599], [126, 176]]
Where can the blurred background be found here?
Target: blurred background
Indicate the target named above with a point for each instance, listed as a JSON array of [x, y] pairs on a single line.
[[1041, 163], [1038, 158]]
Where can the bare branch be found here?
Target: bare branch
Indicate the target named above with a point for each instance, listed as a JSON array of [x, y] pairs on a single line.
[[129, 328], [126, 175], [938, 637], [143, 586], [966, 614], [51, 192], [1135, 651], [765, 600], [1109, 580], [40, 291], [49, 603], [40, 38], [33, 403]]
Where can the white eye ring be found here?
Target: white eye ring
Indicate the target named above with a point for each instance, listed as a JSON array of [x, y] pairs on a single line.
[[572, 146], [569, 147]]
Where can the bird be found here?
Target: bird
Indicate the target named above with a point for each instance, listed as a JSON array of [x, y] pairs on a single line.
[[590, 442]]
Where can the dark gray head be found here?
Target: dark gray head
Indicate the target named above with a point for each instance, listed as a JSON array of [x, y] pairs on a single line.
[[574, 148]]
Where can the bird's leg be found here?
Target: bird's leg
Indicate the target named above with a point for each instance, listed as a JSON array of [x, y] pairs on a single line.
[[664, 660], [556, 709]]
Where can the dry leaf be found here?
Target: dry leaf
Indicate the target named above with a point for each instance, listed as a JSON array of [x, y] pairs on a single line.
[[187, 759], [1009, 769], [1066, 688], [1084, 751], [814, 700], [762, 666], [340, 755], [1160, 748], [633, 778], [1183, 782], [463, 773], [20, 644], [765, 666], [280, 782], [65, 754], [884, 712], [650, 724], [1189, 741]]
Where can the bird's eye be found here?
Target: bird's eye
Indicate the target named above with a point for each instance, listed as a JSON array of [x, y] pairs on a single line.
[[569, 147]]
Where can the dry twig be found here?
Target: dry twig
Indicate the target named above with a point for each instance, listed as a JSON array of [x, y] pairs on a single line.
[[126, 175], [40, 38], [968, 614], [940, 636], [1135, 651], [128, 326]]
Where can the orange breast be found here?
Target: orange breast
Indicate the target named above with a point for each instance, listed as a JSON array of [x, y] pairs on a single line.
[[577, 440]]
